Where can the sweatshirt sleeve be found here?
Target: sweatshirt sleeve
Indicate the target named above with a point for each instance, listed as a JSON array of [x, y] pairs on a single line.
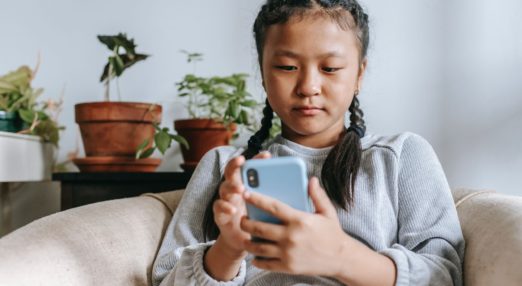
[[430, 244], [180, 257]]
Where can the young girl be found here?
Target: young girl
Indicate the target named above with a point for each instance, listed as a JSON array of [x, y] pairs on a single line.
[[384, 214]]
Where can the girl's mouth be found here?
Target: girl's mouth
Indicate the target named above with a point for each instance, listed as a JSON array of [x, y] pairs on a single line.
[[308, 110]]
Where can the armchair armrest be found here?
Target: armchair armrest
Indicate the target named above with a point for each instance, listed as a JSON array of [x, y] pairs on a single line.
[[108, 243], [492, 227]]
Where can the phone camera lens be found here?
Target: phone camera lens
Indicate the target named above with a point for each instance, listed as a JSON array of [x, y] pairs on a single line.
[[252, 178]]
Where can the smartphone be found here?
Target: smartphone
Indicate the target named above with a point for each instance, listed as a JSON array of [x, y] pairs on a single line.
[[282, 178]]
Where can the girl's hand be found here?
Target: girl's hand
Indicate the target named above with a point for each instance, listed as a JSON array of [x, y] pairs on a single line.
[[230, 207], [308, 244]]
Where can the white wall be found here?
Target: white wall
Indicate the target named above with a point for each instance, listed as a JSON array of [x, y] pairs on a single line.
[[482, 105], [451, 71], [448, 70]]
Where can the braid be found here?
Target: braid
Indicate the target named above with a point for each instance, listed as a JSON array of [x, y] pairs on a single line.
[[357, 124], [346, 155], [256, 141]]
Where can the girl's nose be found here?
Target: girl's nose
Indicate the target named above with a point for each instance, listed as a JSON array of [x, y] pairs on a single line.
[[309, 84]]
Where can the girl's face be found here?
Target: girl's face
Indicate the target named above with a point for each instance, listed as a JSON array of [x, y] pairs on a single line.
[[311, 70]]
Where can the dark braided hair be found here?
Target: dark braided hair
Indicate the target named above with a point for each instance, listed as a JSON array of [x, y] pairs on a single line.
[[255, 142], [346, 154]]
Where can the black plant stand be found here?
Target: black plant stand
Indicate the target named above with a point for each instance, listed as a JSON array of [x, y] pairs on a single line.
[[79, 189]]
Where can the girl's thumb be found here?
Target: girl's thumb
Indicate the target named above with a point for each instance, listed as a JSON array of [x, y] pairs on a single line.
[[320, 199]]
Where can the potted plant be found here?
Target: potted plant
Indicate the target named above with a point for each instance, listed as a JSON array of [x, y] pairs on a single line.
[[113, 131], [20, 111], [219, 108], [26, 158]]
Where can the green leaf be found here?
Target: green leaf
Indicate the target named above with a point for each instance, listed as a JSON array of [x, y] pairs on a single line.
[[162, 140], [108, 41], [42, 115], [241, 85], [20, 78], [37, 92], [119, 40], [147, 153], [119, 61], [241, 75], [181, 140], [130, 60], [120, 65], [6, 87], [243, 117], [143, 145], [3, 103], [23, 101], [249, 103], [48, 131], [116, 64], [190, 78], [234, 109], [27, 115], [128, 44], [105, 73]]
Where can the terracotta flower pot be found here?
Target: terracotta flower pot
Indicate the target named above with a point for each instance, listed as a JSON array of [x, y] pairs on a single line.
[[202, 135], [116, 128], [116, 164]]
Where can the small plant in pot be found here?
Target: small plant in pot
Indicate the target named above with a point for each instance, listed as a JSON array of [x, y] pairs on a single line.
[[20, 112], [113, 131], [219, 109]]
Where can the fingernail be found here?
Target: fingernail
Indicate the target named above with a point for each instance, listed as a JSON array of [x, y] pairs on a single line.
[[233, 210], [246, 194]]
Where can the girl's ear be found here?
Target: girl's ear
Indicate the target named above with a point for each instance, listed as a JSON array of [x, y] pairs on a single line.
[[362, 71]]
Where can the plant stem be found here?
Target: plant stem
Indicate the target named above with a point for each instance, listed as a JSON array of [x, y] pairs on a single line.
[[108, 84], [190, 104], [118, 88]]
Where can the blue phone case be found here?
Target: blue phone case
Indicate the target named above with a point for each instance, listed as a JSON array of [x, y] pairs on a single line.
[[282, 178]]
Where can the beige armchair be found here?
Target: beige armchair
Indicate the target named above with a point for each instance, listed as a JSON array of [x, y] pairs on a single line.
[[115, 242]]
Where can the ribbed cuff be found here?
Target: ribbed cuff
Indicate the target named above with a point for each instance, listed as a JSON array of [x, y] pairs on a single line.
[[203, 278], [401, 262]]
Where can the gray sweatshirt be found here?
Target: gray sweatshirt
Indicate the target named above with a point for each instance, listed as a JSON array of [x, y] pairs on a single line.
[[403, 209]]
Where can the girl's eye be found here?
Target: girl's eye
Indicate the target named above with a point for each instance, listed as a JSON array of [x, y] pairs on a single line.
[[330, 70], [287, 68]]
